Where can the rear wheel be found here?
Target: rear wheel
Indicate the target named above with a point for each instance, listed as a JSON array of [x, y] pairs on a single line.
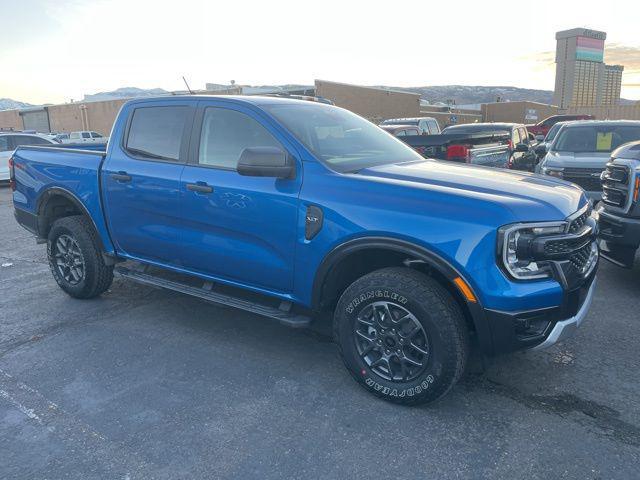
[[401, 335], [75, 258]]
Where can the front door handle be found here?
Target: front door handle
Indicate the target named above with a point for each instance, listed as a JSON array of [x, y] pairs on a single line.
[[121, 177], [199, 187]]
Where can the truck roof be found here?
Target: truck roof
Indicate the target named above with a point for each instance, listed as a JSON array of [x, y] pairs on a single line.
[[600, 123], [630, 151], [247, 99]]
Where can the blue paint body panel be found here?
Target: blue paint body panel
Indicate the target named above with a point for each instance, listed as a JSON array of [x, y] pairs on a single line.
[[250, 231]]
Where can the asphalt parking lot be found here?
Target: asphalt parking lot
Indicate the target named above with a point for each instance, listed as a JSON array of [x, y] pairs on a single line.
[[144, 383]]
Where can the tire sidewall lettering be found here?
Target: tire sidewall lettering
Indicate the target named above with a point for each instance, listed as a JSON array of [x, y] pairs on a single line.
[[400, 393], [375, 294]]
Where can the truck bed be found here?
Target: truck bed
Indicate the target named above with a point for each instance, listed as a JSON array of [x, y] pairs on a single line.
[[73, 171], [487, 149]]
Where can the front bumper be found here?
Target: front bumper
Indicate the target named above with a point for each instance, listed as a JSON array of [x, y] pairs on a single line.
[[566, 328], [619, 237], [542, 327]]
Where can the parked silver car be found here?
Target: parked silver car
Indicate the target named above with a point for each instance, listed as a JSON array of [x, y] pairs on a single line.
[[580, 151], [9, 141]]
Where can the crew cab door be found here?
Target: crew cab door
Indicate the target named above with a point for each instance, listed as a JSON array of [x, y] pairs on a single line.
[[238, 228], [141, 181]]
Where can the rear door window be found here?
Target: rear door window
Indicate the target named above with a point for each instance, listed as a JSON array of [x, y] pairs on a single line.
[[156, 132]]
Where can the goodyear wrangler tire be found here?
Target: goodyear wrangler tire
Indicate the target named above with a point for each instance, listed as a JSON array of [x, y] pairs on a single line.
[[75, 258], [401, 336]]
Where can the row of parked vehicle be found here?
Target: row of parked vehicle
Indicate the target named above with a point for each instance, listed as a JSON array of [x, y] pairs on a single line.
[[575, 148], [10, 140]]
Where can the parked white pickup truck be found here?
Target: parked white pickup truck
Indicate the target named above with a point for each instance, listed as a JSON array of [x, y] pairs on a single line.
[[85, 136]]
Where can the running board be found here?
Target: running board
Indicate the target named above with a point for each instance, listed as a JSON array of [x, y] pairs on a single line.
[[281, 314]]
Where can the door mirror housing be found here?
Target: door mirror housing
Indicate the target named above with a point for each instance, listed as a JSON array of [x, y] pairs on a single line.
[[265, 162], [541, 149], [522, 147]]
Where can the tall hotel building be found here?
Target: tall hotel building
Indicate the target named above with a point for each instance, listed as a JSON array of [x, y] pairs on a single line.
[[582, 78]]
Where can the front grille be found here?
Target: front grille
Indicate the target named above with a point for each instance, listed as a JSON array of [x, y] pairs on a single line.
[[578, 222], [615, 185], [580, 258], [575, 252], [587, 182], [554, 248]]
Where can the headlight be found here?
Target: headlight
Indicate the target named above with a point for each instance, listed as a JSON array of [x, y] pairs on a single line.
[[515, 252], [552, 171]]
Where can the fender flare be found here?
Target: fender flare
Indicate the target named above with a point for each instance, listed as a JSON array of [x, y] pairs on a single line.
[[442, 266], [44, 197]]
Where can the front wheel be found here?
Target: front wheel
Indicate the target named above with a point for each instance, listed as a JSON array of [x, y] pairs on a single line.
[[401, 335], [75, 258]]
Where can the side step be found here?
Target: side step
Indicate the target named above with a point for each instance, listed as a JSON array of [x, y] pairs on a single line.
[[206, 293]]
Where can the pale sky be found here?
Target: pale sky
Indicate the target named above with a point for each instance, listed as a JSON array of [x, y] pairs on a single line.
[[57, 50]]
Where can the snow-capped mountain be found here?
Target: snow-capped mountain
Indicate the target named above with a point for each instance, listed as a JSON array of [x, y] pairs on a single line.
[[9, 104], [124, 92]]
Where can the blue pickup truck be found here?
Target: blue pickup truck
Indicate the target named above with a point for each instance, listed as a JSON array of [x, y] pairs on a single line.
[[302, 211]]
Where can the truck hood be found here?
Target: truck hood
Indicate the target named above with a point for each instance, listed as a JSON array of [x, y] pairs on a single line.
[[528, 196], [577, 159]]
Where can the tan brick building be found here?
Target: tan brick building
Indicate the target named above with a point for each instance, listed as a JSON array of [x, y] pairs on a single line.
[[375, 104]]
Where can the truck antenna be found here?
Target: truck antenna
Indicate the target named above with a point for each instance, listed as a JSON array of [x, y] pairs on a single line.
[[188, 87]]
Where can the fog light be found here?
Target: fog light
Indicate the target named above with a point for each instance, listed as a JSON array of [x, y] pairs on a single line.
[[530, 327]]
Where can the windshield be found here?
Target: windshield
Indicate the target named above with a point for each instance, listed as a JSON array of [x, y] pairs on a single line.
[[344, 140], [595, 138], [553, 131]]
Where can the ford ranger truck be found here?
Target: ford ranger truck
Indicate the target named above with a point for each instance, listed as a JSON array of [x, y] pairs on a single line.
[[298, 210], [619, 210]]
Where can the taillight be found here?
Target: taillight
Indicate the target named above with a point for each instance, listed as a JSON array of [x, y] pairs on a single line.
[[12, 175], [636, 188], [458, 153], [510, 143]]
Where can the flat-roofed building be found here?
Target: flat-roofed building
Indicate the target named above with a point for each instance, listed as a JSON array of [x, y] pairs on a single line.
[[582, 78], [373, 103], [611, 85]]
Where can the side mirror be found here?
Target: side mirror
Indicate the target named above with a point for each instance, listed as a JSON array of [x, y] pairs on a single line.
[[522, 147], [265, 162], [539, 138], [541, 149]]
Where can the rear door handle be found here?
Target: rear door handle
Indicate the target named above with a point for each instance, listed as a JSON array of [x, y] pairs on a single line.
[[199, 187], [121, 177]]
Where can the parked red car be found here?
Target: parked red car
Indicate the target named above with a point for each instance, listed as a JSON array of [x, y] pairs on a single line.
[[542, 128]]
